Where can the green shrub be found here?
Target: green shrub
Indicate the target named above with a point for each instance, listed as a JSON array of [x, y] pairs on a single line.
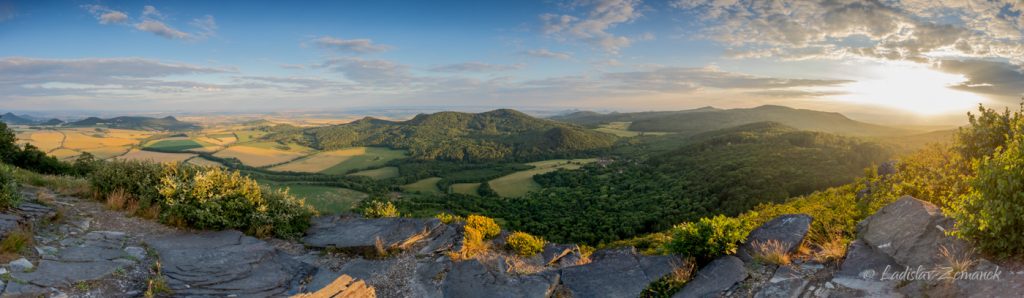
[[9, 196], [214, 198], [524, 244], [449, 218], [990, 213], [708, 237], [380, 209], [486, 225], [140, 179]]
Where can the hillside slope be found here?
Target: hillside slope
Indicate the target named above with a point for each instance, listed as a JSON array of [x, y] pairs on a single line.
[[168, 123], [495, 135]]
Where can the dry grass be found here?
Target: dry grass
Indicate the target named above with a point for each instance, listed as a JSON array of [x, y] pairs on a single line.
[[117, 199], [958, 260], [16, 241], [258, 157], [682, 272], [517, 265], [156, 156], [770, 252]]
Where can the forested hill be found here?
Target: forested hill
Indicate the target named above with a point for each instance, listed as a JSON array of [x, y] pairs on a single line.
[[726, 171], [168, 123], [495, 135], [709, 119]]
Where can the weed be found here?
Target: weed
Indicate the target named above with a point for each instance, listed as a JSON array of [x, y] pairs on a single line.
[[770, 252]]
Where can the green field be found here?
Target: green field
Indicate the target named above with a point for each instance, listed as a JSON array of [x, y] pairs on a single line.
[[374, 157], [519, 183], [248, 135], [465, 188], [618, 128], [174, 145], [428, 185], [380, 173], [325, 199]]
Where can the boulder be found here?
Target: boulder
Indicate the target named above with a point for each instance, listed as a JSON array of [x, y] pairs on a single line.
[[910, 231], [21, 264], [361, 234], [864, 261], [718, 276], [786, 282], [472, 279], [445, 239], [226, 263], [789, 230], [615, 273], [561, 255]]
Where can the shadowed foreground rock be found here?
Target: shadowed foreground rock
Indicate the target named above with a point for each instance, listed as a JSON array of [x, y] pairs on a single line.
[[616, 273], [226, 263], [363, 233], [789, 230], [716, 277]]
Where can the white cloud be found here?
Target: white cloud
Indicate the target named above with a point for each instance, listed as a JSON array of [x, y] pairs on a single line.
[[593, 26], [152, 21], [373, 73], [545, 53], [113, 17], [361, 45], [161, 29], [475, 67], [152, 12], [914, 30]]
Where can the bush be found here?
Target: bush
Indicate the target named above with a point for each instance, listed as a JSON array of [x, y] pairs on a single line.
[[380, 209], [708, 237], [990, 213], [449, 218], [524, 244], [9, 196], [139, 179], [214, 198], [486, 225]]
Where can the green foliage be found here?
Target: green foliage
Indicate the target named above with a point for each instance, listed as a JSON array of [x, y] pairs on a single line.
[[485, 190], [708, 237], [379, 209], [16, 241], [213, 198], [9, 196], [138, 178], [449, 218], [524, 244], [486, 225]]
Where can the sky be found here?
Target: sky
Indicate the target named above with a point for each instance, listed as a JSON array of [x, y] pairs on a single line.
[[885, 59]]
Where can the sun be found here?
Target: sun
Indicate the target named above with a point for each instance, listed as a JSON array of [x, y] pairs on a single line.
[[910, 87]]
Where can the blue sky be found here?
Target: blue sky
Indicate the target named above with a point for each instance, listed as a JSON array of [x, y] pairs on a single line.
[[891, 57]]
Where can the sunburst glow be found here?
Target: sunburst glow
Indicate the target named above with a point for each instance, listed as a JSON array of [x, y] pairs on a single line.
[[911, 87]]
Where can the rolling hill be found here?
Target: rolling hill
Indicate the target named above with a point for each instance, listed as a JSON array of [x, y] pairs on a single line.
[[690, 122], [168, 123], [495, 135], [12, 119]]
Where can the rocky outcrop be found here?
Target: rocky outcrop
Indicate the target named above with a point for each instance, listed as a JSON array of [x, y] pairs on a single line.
[[226, 263], [788, 230], [363, 234], [716, 277], [910, 231], [616, 273], [342, 287], [471, 278]]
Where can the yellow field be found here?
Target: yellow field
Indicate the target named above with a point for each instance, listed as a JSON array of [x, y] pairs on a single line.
[[156, 156], [381, 173], [79, 140], [519, 183], [466, 188], [222, 141], [259, 157], [46, 140], [320, 161], [64, 153]]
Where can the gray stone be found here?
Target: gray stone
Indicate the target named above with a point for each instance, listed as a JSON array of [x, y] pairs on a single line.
[[16, 289], [613, 273], [66, 273], [864, 261], [135, 252], [911, 231], [714, 278], [227, 263], [472, 279], [367, 269], [429, 277], [561, 255], [789, 230], [21, 264], [362, 233], [786, 282], [46, 250], [446, 238]]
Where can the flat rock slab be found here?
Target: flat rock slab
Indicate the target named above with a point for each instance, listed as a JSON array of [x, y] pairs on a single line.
[[362, 233], [911, 231], [866, 262], [227, 263], [98, 256], [786, 282], [789, 230], [718, 276], [472, 279], [615, 273]]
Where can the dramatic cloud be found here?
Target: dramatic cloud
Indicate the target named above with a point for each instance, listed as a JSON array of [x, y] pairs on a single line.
[[1003, 80], [475, 67], [350, 45], [915, 30], [545, 53], [592, 27]]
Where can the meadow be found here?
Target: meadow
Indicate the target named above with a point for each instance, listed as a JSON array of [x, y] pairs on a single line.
[[339, 162], [428, 185], [519, 183]]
